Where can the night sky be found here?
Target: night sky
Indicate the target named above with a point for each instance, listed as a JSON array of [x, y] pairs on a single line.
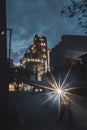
[[29, 17]]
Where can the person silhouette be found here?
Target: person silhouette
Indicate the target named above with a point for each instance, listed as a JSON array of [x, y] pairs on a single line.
[[65, 108]]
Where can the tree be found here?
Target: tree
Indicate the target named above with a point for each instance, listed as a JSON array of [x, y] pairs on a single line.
[[78, 9]]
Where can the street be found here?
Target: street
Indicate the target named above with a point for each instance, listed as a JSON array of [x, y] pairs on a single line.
[[34, 112]]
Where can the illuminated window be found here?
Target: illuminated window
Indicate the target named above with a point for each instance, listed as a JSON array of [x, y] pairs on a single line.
[[25, 89], [44, 56], [41, 39], [11, 87], [32, 48], [36, 90], [28, 88], [2, 33], [28, 59], [34, 45], [43, 44], [44, 50], [42, 61], [41, 90], [39, 78]]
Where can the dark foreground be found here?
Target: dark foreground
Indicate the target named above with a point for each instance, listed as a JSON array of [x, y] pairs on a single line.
[[32, 111]]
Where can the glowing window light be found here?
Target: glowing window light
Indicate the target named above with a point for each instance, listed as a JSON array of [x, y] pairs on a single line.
[[28, 59], [24, 61], [44, 56], [36, 90], [32, 48], [11, 87], [2, 33], [34, 45], [43, 43], [32, 60], [41, 39], [44, 50], [40, 90], [42, 61]]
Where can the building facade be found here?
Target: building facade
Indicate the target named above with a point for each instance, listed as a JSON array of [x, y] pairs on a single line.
[[36, 57], [68, 51]]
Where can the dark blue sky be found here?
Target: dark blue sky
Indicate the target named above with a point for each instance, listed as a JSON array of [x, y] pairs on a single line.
[[29, 17]]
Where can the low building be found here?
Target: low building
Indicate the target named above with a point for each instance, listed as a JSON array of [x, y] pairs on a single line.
[[68, 51]]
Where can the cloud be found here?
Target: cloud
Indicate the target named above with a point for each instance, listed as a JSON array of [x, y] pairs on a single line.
[[30, 17]]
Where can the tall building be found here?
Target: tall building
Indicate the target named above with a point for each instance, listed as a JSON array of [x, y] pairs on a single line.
[[36, 57]]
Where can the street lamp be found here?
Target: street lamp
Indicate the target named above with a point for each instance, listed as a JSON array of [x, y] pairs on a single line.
[[8, 29]]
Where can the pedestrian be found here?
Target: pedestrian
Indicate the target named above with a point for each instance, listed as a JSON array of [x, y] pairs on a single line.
[[65, 108]]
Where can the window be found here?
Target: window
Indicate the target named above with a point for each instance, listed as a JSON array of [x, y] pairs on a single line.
[[44, 49], [43, 44]]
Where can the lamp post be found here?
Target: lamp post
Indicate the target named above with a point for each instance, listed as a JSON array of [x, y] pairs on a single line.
[[9, 29]]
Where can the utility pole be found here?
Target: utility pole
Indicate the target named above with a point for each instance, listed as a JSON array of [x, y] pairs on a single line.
[[3, 64]]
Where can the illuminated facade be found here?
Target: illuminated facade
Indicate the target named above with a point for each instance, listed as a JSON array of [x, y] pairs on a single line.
[[13, 86], [36, 58]]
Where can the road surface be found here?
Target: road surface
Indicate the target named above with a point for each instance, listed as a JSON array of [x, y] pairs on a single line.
[[30, 111]]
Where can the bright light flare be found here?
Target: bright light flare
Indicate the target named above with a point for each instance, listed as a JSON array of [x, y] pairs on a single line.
[[59, 91]]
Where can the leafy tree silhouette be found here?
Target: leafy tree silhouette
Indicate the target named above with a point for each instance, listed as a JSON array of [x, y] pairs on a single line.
[[78, 9]]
